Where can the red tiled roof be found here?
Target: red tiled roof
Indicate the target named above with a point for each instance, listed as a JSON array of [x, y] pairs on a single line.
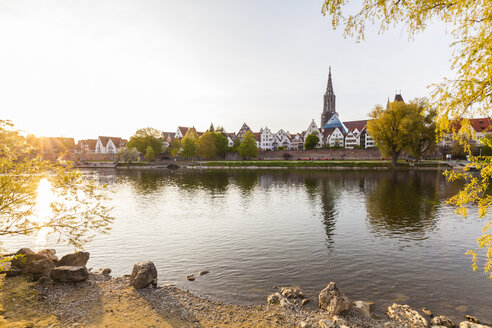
[[478, 124], [359, 125], [117, 141]]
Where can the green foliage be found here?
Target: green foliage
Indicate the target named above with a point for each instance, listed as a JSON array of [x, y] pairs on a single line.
[[149, 153], [402, 127], [127, 155], [235, 145], [146, 137], [75, 205], [189, 144], [248, 147], [468, 95], [174, 147], [311, 141], [281, 148], [206, 145], [221, 143]]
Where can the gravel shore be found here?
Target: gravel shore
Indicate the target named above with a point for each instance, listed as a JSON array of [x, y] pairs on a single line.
[[104, 301]]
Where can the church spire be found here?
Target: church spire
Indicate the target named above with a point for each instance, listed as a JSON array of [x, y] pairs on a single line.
[[329, 99], [329, 86]]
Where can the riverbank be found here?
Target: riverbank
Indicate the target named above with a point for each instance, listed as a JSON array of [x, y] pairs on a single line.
[[38, 289], [327, 164]]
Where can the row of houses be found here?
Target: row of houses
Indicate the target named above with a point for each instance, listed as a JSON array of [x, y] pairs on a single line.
[[101, 145], [349, 134]]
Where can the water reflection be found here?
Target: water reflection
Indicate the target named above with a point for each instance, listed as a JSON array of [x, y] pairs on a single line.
[[403, 203]]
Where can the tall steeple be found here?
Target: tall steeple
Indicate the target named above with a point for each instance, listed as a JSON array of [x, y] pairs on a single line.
[[329, 99]]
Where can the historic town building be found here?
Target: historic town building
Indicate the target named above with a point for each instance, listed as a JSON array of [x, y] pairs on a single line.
[[329, 102]]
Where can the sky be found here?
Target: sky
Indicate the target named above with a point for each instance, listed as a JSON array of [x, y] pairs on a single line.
[[109, 67]]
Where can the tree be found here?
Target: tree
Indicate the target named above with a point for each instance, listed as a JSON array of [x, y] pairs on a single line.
[[470, 93], [248, 147], [149, 153], [74, 211], [189, 144], [311, 141], [221, 143], [174, 147], [236, 144], [211, 128], [393, 128], [146, 137], [206, 145], [127, 155]]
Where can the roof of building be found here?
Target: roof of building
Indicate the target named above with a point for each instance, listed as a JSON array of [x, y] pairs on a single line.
[[334, 122], [89, 143], [117, 141], [359, 125], [482, 124], [398, 97], [168, 135]]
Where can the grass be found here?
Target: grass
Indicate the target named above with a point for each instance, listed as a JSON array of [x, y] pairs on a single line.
[[334, 163]]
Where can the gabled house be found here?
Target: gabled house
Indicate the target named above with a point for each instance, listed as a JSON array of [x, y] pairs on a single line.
[[167, 137], [356, 135], [230, 138], [334, 137], [86, 146], [297, 141], [109, 145], [479, 127], [245, 128], [283, 139]]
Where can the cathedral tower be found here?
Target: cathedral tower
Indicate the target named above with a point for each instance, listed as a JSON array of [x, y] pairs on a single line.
[[328, 102]]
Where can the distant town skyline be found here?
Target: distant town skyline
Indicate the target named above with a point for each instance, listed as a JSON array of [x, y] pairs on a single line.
[[92, 68]]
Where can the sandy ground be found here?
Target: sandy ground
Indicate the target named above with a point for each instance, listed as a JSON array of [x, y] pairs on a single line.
[[111, 302]]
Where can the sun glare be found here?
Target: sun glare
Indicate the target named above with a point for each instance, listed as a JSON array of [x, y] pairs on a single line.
[[43, 210]]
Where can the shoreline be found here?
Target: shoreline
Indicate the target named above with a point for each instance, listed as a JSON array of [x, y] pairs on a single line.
[[93, 298]]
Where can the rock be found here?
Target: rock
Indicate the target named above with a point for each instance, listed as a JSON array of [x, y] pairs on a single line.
[[173, 166], [285, 303], [333, 300], [304, 301], [442, 321], [49, 254], [274, 298], [303, 324], [24, 256], [327, 323], [204, 272], [10, 270], [43, 281], [404, 314], [104, 272], [428, 312], [39, 268], [472, 319], [143, 274], [364, 307], [69, 273], [190, 277], [292, 292], [468, 324], [74, 259]]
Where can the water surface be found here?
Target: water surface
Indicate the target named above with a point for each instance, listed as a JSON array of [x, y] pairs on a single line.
[[381, 236]]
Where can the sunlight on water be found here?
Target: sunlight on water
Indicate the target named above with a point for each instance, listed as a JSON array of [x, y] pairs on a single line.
[[43, 210]]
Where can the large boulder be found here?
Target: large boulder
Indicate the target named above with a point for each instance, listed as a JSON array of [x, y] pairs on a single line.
[[143, 274], [50, 254], [24, 256], [442, 321], [405, 315], [74, 259], [68, 273], [39, 268], [333, 300], [9, 269]]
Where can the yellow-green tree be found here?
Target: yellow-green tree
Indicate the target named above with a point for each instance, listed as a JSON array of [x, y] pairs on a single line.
[[75, 205], [248, 147], [189, 144], [143, 138], [468, 94], [149, 153], [174, 147], [311, 141], [206, 145]]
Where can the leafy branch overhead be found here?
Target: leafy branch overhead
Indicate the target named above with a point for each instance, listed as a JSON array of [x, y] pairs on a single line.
[[467, 94]]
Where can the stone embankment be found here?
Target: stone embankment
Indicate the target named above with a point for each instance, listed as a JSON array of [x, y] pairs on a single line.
[[64, 293]]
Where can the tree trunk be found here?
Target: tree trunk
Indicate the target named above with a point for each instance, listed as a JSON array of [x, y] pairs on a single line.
[[394, 157]]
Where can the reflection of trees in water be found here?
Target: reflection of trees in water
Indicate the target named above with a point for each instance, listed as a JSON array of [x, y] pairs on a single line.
[[404, 203], [143, 181], [246, 180]]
